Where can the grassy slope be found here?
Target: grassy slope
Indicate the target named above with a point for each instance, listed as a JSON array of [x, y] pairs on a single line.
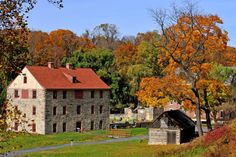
[[15, 141], [219, 142], [136, 148]]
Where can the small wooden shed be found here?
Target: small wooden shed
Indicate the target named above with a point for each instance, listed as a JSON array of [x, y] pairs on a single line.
[[171, 127]]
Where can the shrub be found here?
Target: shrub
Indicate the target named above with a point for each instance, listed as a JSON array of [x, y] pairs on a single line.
[[216, 134]]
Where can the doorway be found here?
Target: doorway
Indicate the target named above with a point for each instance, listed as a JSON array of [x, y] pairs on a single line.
[[78, 126]]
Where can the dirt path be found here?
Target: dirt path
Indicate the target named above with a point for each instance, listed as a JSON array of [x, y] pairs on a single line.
[[14, 153]]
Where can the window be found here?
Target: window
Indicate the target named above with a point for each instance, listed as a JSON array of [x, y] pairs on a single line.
[[64, 110], [78, 109], [34, 94], [100, 109], [54, 127], [64, 93], [78, 94], [92, 94], [34, 110], [64, 127], [33, 127], [74, 80], [25, 94], [101, 94], [54, 94], [16, 126], [100, 124], [25, 79], [16, 94], [92, 125], [54, 110], [92, 109]]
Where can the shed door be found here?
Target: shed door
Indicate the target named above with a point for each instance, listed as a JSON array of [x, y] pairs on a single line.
[[171, 137]]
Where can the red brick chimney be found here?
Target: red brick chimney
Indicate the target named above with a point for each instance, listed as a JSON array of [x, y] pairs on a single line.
[[50, 65], [69, 66]]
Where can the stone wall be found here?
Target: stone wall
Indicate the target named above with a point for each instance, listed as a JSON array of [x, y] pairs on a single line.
[[159, 136], [25, 106], [71, 116]]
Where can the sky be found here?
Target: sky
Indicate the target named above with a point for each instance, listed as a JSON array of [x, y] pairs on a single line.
[[130, 16]]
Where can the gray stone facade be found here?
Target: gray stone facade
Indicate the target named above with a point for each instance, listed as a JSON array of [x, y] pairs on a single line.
[[70, 118]]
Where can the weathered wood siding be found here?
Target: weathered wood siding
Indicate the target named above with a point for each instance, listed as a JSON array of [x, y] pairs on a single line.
[[159, 136]]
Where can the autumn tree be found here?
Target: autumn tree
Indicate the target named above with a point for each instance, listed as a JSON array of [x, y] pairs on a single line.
[[13, 40], [228, 76], [189, 43], [105, 36], [137, 60], [44, 47], [39, 48]]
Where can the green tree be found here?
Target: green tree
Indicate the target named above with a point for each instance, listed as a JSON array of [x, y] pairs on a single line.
[[102, 62]]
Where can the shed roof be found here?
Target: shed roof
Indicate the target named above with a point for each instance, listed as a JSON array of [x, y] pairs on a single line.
[[177, 117]]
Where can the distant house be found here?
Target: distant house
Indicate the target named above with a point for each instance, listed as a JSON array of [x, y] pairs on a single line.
[[140, 114], [172, 105], [171, 127], [57, 100], [222, 115]]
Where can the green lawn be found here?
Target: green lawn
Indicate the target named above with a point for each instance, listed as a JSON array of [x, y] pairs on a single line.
[[15, 141], [135, 148]]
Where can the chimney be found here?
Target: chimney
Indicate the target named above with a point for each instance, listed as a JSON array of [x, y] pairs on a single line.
[[69, 66], [50, 65]]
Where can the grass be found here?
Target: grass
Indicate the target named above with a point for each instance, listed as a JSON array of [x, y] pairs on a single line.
[[195, 152], [11, 141], [135, 148]]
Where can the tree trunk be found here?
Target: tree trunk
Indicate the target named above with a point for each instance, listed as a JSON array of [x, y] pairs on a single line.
[[198, 118], [208, 119], [215, 119], [207, 111], [198, 111]]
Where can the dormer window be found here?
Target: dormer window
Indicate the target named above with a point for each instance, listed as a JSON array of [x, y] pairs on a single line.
[[74, 80], [25, 79]]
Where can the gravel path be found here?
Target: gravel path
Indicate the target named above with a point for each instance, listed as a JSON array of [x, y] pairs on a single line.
[[14, 153]]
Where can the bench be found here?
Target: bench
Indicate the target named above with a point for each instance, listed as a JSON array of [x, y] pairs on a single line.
[[118, 133]]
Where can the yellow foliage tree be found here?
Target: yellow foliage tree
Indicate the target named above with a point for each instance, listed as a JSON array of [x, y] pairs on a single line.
[[190, 43]]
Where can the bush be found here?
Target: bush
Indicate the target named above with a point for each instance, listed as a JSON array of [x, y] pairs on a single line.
[[216, 134]]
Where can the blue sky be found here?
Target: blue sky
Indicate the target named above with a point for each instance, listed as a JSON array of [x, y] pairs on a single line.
[[130, 16]]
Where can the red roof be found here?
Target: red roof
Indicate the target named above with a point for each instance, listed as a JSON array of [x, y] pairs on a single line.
[[61, 78]]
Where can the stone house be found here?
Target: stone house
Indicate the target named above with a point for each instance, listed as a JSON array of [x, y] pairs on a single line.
[[140, 114], [55, 100], [171, 127]]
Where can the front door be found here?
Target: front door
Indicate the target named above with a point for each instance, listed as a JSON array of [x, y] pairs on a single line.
[[171, 137], [78, 126]]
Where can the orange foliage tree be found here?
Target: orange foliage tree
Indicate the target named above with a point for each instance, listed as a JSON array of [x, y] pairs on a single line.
[[190, 42], [44, 47]]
